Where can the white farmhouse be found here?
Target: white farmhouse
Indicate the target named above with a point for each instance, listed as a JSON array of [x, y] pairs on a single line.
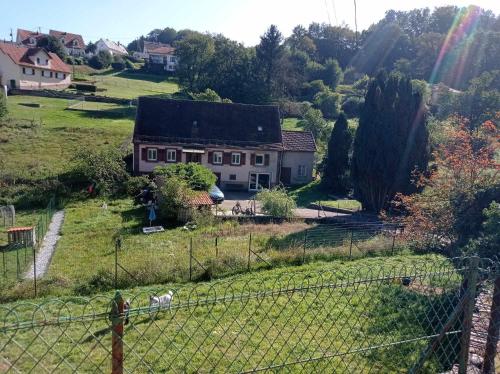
[[31, 68], [110, 46]]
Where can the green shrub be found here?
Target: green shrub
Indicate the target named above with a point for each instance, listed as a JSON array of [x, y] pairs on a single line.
[[276, 202], [328, 102], [135, 185], [197, 176], [173, 193], [352, 106], [101, 60], [3, 105]]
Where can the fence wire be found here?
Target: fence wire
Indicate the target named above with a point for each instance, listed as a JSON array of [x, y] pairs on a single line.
[[419, 318]]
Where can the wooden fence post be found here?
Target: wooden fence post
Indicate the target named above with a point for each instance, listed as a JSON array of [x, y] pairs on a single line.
[[190, 258], [493, 331], [249, 249], [34, 268], [305, 245], [216, 246], [117, 334], [470, 294], [350, 246]]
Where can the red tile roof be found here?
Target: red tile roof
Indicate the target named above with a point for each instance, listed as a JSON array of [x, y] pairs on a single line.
[[19, 54], [298, 141], [200, 199], [158, 48], [68, 38], [24, 35], [17, 229]]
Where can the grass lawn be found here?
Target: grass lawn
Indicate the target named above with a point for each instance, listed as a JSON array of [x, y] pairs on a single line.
[[312, 193], [40, 141], [275, 318], [291, 124], [131, 85]]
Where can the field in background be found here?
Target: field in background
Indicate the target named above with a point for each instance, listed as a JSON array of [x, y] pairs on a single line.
[[313, 193], [41, 136]]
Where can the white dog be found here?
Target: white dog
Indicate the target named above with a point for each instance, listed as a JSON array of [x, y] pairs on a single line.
[[162, 301]]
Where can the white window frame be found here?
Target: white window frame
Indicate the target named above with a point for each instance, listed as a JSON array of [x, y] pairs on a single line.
[[233, 155], [171, 152], [301, 172], [149, 155], [263, 159], [215, 158]]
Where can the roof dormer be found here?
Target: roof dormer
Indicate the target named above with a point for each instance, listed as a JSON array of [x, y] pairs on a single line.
[[32, 41]]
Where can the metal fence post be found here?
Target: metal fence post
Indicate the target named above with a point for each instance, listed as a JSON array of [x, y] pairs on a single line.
[[393, 240], [117, 246], [34, 268], [216, 247], [493, 331], [4, 263], [249, 249], [304, 249], [191, 258], [470, 295], [117, 334], [350, 246]]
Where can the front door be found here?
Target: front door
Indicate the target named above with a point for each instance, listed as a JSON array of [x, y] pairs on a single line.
[[12, 83], [286, 176], [258, 181]]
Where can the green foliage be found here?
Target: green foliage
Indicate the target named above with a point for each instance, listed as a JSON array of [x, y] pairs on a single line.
[[91, 47], [269, 59], [276, 202], [336, 176], [174, 192], [101, 60], [362, 83], [487, 243], [352, 106], [391, 141], [196, 176], [309, 90], [332, 74], [52, 44], [135, 185], [403, 66], [314, 122], [3, 105], [105, 168], [209, 95], [328, 102], [118, 63], [194, 53]]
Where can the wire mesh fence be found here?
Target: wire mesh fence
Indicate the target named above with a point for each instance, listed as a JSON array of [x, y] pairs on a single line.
[[18, 257], [418, 318]]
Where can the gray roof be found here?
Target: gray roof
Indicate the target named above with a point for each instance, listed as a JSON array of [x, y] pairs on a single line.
[[298, 141]]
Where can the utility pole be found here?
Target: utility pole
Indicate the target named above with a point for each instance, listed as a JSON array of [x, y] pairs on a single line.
[[11, 36]]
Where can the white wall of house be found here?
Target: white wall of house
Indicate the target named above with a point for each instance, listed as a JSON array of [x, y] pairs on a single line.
[[8, 71], [230, 175], [294, 160], [169, 61]]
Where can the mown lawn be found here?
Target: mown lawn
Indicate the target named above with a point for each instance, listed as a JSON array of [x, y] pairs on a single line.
[[347, 310], [41, 141], [313, 193]]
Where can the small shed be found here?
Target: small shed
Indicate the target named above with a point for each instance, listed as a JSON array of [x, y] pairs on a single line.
[[24, 235], [201, 200]]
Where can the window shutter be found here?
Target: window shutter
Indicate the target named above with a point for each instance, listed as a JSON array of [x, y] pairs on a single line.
[[162, 155], [226, 159], [252, 159], [243, 159], [178, 156], [144, 153], [266, 160], [210, 157]]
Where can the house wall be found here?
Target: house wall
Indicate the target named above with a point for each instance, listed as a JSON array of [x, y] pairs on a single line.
[[293, 160], [242, 172], [8, 70], [169, 61]]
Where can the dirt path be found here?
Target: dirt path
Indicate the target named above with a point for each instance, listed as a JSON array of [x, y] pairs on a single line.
[[48, 247]]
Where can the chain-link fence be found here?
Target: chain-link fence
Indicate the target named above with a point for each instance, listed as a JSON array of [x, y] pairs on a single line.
[[426, 318]]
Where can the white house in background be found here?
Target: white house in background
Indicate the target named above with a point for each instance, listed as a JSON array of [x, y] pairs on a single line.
[[31, 68], [159, 54], [110, 46]]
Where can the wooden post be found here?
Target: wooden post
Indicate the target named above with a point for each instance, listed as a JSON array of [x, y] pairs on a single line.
[[249, 249], [470, 294], [304, 249], [216, 247], [34, 268], [393, 240], [117, 334], [493, 331], [117, 244]]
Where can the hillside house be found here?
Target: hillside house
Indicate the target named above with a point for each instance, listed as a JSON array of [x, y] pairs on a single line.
[[242, 144], [32, 68], [159, 54], [73, 43], [113, 48]]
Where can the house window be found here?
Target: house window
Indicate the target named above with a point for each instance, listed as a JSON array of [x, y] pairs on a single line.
[[38, 60], [51, 74], [259, 160], [302, 171], [32, 71], [43, 73], [46, 62], [171, 155], [24, 70], [152, 154], [32, 40], [217, 158], [232, 177], [64, 76], [235, 158]]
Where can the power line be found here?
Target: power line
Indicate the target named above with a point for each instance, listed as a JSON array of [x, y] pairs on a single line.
[[328, 13]]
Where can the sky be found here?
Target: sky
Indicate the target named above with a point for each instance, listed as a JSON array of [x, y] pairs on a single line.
[[241, 20]]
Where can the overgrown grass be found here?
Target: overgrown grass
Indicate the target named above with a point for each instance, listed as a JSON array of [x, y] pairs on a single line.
[[275, 318], [313, 193], [291, 124]]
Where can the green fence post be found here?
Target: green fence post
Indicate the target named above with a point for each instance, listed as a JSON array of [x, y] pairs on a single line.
[[249, 250], [34, 269], [493, 330], [117, 334], [470, 295]]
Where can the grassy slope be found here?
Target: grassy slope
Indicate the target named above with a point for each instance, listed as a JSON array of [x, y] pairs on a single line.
[[312, 193], [41, 141], [291, 124], [240, 334]]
